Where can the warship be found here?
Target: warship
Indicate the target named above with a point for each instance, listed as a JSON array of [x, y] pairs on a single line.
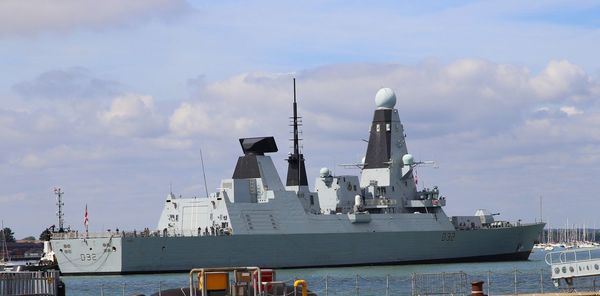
[[254, 219]]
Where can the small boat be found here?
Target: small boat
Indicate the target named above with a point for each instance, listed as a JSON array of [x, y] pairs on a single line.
[[46, 262], [6, 263]]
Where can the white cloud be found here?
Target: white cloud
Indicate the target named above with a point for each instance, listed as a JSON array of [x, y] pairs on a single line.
[[26, 17], [561, 80], [128, 106], [570, 110], [32, 161], [190, 119], [131, 115]]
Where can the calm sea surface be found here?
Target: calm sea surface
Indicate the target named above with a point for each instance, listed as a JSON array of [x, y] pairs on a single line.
[[531, 276]]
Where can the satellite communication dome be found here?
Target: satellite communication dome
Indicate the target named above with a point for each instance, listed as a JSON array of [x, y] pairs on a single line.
[[385, 98], [324, 172], [408, 159]]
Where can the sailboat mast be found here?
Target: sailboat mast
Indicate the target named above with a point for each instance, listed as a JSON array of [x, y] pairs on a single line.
[[541, 210], [542, 220], [4, 250]]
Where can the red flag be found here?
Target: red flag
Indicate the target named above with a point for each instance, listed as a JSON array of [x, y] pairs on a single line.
[[85, 217]]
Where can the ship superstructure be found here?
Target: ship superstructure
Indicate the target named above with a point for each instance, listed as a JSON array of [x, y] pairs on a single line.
[[255, 220]]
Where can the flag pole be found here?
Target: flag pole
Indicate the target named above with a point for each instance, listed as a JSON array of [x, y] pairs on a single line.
[[86, 221]]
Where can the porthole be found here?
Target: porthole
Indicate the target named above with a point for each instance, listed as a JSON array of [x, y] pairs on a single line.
[[564, 269], [571, 269], [557, 270], [596, 266]]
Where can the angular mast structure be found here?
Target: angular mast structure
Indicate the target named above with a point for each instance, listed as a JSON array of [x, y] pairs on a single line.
[[296, 175], [61, 216]]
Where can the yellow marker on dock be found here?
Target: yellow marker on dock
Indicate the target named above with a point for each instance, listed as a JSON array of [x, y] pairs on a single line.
[[304, 286]]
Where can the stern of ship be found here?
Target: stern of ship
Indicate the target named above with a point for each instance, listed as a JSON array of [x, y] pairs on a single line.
[[80, 254]]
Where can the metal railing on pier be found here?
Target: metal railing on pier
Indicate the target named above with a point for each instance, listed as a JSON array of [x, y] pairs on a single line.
[[449, 283], [34, 283]]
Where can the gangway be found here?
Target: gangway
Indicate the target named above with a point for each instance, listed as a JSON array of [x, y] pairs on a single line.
[[573, 263]]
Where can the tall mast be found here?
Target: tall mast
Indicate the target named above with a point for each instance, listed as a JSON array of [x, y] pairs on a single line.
[[59, 193], [295, 123], [296, 175]]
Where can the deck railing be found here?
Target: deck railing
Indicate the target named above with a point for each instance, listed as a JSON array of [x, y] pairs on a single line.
[[144, 233]]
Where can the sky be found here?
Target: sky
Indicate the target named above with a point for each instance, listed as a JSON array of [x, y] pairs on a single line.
[[112, 100]]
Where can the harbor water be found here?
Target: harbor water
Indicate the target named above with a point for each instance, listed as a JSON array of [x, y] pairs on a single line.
[[530, 276]]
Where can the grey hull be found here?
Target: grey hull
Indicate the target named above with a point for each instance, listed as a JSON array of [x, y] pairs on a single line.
[[171, 254]]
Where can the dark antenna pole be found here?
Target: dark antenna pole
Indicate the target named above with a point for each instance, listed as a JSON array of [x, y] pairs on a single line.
[[296, 175], [296, 144]]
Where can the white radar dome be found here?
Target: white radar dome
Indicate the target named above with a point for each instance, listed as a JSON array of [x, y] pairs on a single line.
[[385, 98], [408, 159], [324, 172]]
